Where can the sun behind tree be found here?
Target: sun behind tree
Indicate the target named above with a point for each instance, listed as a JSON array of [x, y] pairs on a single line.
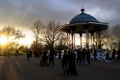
[[8, 35], [3, 40]]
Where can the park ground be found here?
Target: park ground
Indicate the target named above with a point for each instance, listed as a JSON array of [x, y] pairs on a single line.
[[18, 68]]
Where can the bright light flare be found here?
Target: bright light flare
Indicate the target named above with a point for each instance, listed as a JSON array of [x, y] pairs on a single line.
[[3, 40], [25, 41]]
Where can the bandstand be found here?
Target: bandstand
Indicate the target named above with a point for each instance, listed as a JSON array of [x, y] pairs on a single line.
[[84, 23]]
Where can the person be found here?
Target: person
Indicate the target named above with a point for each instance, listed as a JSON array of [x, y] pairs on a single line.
[[107, 56], [30, 52], [51, 57], [16, 52], [64, 62], [88, 55], [44, 59], [95, 54], [118, 53], [71, 62], [59, 54], [83, 55], [28, 56], [113, 54], [79, 55]]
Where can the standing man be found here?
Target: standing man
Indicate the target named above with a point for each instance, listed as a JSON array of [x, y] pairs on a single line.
[[79, 56], [72, 66], [88, 55], [51, 57]]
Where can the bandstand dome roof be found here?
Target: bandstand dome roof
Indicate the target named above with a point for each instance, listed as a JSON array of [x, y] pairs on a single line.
[[83, 17], [84, 21]]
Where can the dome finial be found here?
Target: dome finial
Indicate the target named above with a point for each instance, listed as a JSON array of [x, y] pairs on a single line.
[[82, 10]]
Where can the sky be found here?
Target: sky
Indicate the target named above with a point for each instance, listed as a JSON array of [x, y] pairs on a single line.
[[23, 13]]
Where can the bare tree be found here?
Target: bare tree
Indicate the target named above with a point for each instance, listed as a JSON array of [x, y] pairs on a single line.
[[51, 33], [36, 29], [62, 39], [9, 32], [103, 39], [111, 37], [48, 35], [116, 35]]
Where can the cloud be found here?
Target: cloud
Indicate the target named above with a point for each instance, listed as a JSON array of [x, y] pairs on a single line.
[[104, 10], [25, 12]]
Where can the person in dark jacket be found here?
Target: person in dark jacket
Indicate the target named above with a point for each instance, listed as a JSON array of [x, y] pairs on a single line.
[[83, 55], [51, 57], [79, 56], [107, 55], [28, 56], [88, 55], [113, 54], [118, 53], [44, 59], [64, 62], [95, 54], [72, 66]]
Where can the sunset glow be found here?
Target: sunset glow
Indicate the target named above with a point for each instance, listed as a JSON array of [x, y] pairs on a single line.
[[3, 40], [25, 41]]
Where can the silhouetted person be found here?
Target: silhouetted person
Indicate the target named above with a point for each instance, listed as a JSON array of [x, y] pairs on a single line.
[[107, 55], [113, 54], [16, 53], [72, 66], [88, 56], [30, 52], [79, 56], [59, 54], [95, 54], [118, 58], [83, 55], [44, 59], [64, 62], [51, 57], [28, 56]]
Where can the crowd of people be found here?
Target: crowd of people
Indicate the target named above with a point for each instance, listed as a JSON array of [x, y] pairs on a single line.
[[68, 62], [70, 57], [47, 58]]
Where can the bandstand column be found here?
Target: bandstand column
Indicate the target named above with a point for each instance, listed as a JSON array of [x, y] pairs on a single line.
[[72, 38], [69, 39], [80, 40], [87, 38], [92, 38], [99, 40], [96, 39]]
